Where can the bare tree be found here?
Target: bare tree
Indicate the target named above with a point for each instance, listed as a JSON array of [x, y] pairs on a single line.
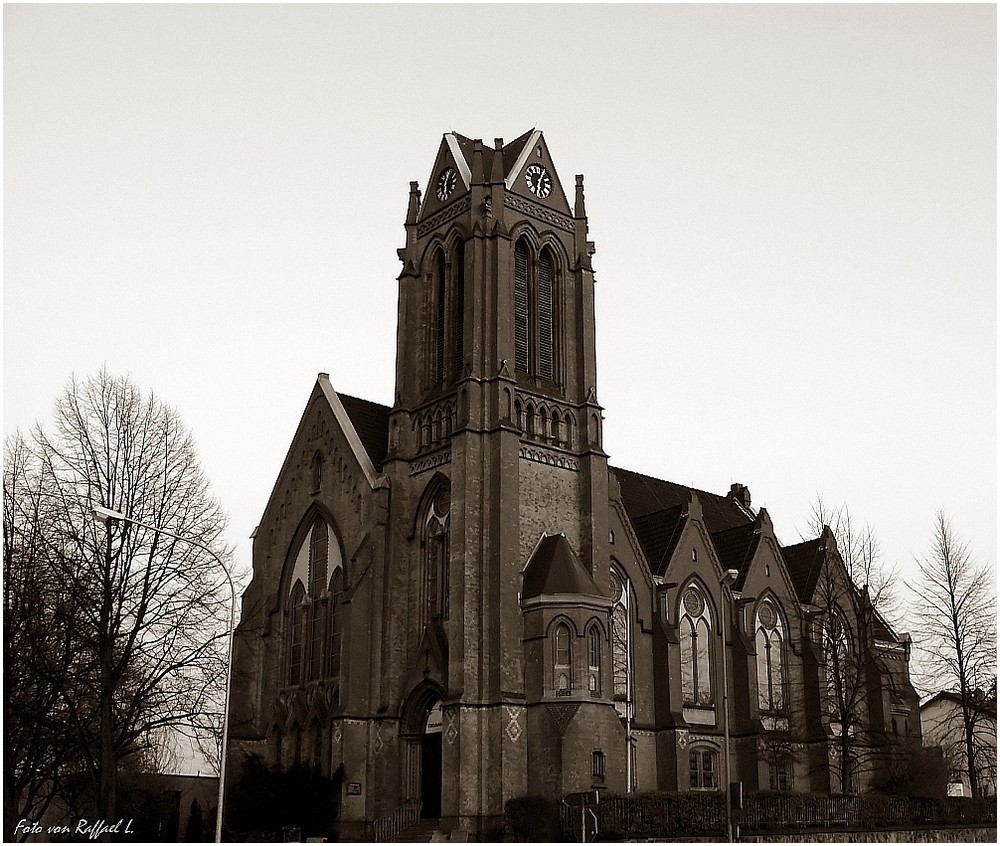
[[142, 614], [955, 613], [855, 597]]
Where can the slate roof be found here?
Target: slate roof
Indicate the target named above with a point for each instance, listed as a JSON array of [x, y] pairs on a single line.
[[805, 563], [658, 534], [555, 568], [642, 495], [737, 547], [371, 420]]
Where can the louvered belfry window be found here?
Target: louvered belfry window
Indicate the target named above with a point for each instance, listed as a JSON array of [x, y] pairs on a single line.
[[534, 312], [521, 307], [441, 312], [545, 274], [459, 265]]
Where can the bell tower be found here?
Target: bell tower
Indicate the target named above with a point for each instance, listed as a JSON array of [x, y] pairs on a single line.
[[496, 404]]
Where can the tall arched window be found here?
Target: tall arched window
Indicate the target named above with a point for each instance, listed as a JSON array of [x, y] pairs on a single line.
[[534, 312], [770, 642], [562, 660], [840, 672], [308, 610], [544, 309], [521, 309], [296, 634], [336, 625], [436, 550], [594, 661], [458, 263], [441, 286], [621, 642], [695, 636]]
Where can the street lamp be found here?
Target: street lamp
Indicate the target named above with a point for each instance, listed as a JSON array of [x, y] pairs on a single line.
[[105, 515], [726, 582]]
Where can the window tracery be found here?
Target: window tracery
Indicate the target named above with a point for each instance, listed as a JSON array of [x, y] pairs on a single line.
[[309, 612], [594, 661], [695, 636], [621, 641], [770, 642], [562, 670], [436, 551]]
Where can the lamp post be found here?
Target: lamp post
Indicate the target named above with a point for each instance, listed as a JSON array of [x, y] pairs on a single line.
[[105, 515], [727, 597]]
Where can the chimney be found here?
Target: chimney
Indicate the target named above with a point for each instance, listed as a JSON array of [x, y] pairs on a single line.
[[740, 493]]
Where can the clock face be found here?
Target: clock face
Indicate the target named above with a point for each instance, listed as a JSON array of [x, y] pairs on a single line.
[[539, 181], [446, 183]]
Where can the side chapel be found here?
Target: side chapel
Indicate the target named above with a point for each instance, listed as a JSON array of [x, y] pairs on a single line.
[[456, 600]]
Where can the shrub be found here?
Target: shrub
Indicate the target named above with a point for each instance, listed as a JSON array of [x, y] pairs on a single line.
[[269, 799], [533, 819]]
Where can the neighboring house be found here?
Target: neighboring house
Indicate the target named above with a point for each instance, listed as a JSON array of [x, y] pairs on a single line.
[[943, 725], [456, 600]]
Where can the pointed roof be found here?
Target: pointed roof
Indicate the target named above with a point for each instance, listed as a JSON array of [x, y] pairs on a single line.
[[555, 568], [371, 420], [658, 534], [643, 495], [737, 547], [804, 564]]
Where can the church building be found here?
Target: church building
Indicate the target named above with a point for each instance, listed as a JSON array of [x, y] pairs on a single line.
[[457, 600]]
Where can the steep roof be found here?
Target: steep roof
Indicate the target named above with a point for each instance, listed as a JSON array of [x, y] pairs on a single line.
[[642, 495], [805, 563], [371, 420], [737, 547], [658, 533], [555, 568]]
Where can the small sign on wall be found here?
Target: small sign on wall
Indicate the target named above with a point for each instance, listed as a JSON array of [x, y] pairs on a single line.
[[354, 788]]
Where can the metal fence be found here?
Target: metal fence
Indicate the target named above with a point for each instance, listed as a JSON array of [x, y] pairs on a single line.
[[655, 815], [386, 829]]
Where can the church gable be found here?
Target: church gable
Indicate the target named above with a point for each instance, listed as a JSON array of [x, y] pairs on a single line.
[[328, 461]]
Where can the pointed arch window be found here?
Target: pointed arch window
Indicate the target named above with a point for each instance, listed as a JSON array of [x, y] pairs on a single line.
[[296, 634], [840, 672], [308, 609], [436, 551], [695, 637], [534, 312], [770, 643], [621, 641], [440, 280], [521, 306], [458, 318], [562, 671], [336, 625], [594, 661]]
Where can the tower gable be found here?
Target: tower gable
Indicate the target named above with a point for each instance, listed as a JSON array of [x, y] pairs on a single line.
[[530, 155], [450, 179]]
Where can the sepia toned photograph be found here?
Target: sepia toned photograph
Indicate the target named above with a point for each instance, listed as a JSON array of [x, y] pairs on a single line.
[[500, 423]]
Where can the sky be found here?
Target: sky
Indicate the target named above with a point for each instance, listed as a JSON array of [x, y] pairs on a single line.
[[794, 209]]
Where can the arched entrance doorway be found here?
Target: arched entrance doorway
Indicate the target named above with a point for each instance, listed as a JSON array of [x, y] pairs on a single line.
[[430, 764]]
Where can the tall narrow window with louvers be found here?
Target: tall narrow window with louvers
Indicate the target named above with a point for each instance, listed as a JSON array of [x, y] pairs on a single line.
[[459, 322], [545, 316], [521, 307]]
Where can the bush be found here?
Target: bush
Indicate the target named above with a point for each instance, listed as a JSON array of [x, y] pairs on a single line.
[[267, 798], [648, 815], [533, 819]]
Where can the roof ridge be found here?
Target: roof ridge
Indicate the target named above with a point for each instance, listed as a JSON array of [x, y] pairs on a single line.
[[668, 482]]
